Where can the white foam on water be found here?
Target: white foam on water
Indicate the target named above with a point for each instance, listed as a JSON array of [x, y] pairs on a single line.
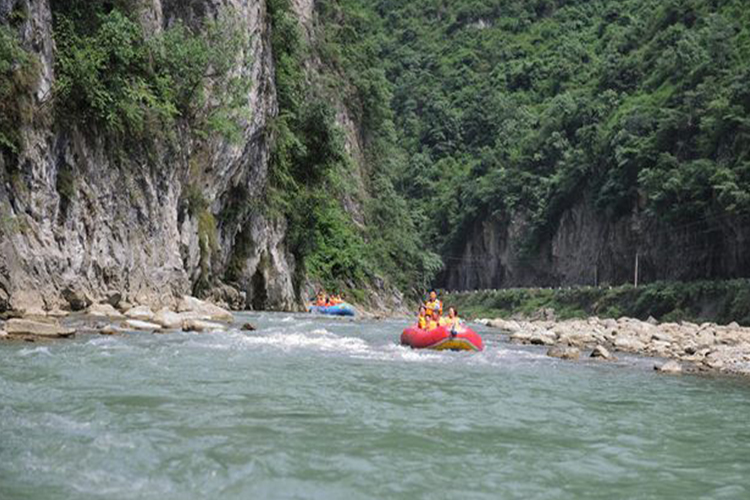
[[396, 352], [517, 354], [42, 350], [326, 342]]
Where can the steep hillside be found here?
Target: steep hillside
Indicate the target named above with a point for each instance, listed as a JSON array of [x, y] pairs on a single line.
[[550, 142], [151, 148], [251, 152]]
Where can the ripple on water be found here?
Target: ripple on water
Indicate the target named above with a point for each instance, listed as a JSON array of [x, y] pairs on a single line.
[[334, 409], [34, 351]]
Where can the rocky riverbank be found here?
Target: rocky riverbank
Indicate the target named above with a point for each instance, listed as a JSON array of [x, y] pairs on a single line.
[[187, 314], [683, 346]]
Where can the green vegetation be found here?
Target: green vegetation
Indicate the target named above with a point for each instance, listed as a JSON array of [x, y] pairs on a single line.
[[113, 75], [18, 73], [505, 106], [312, 174], [719, 301]]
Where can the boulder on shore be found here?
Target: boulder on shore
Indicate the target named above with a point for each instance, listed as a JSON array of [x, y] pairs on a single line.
[[169, 319], [48, 329], [564, 352], [3, 334], [104, 311], [113, 297], [206, 309], [602, 353], [197, 325], [543, 338], [136, 324], [670, 367], [629, 344], [110, 330], [140, 313]]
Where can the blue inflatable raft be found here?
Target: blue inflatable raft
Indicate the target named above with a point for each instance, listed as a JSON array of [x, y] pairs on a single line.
[[342, 309]]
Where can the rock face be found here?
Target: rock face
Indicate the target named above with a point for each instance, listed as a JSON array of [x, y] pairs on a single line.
[[122, 231], [586, 248]]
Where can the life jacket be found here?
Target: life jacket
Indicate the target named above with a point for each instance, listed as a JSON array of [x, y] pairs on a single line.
[[422, 322], [320, 302], [432, 324], [434, 305]]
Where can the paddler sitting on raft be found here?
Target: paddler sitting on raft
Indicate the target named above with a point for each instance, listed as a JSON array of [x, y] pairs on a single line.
[[422, 318], [454, 322], [435, 321], [433, 304]]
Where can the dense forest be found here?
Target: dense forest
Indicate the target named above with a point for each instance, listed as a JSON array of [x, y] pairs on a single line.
[[506, 107]]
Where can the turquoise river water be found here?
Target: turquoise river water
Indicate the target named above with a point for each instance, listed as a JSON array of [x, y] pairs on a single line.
[[313, 407]]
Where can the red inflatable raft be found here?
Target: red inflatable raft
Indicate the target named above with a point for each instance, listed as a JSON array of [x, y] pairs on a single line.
[[440, 339]]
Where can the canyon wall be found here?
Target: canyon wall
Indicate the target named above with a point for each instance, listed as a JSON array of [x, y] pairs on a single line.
[[79, 224]]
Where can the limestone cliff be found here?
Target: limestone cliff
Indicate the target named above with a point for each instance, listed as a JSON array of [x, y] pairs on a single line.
[[586, 248], [78, 223]]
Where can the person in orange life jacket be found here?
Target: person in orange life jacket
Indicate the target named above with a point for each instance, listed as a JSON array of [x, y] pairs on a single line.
[[433, 304], [422, 318], [436, 321], [321, 300]]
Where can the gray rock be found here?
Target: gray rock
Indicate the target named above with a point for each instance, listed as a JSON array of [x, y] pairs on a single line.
[[135, 324], [77, 299], [652, 321], [629, 344], [602, 353], [104, 311], [169, 319], [248, 327], [140, 313], [690, 349], [564, 352], [714, 363], [37, 328], [661, 336], [114, 297], [110, 330], [3, 334], [670, 367], [543, 337], [205, 309], [197, 325], [521, 337]]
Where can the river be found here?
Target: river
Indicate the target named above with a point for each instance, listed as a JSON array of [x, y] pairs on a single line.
[[313, 407]]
